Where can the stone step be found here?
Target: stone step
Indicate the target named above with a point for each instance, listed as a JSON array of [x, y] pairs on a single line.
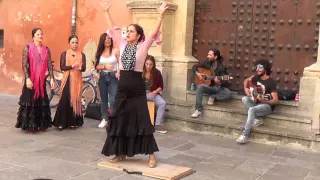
[[295, 122], [232, 128], [287, 107]]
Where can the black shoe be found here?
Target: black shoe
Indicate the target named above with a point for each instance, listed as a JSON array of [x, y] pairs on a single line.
[[60, 128], [73, 127]]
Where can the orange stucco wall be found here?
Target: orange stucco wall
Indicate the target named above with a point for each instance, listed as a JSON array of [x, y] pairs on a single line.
[[19, 17], [91, 22]]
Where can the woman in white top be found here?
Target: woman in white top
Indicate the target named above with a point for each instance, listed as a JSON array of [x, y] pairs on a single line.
[[107, 63]]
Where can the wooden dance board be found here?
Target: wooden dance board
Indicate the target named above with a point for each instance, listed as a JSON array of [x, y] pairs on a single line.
[[140, 166]]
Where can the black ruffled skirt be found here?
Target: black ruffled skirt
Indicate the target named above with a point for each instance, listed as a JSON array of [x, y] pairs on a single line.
[[65, 117], [130, 131], [33, 114]]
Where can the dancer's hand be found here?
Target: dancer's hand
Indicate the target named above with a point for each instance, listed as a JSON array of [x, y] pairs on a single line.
[[164, 6], [52, 84], [29, 83], [105, 5]]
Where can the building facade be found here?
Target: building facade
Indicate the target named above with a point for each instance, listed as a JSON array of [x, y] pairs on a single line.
[[285, 32], [18, 18]]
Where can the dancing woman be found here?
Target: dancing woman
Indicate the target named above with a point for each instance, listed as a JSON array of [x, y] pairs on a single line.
[[34, 112], [130, 131], [69, 110]]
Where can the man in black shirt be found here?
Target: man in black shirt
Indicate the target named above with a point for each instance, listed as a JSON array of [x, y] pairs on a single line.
[[260, 100], [218, 88]]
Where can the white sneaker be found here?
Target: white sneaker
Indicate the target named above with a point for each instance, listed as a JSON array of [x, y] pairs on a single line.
[[160, 129], [257, 122], [103, 123], [243, 139], [210, 101], [196, 114]]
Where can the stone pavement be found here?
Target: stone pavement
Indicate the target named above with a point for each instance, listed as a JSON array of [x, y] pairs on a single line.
[[73, 155]]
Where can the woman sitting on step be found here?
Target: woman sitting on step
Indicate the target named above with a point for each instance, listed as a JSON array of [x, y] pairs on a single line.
[[154, 85]]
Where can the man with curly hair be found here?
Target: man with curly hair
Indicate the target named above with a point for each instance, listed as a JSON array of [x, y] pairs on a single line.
[[261, 97]]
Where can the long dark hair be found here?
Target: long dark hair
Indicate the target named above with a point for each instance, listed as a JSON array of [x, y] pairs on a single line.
[[139, 30], [153, 70], [34, 31], [101, 47], [216, 52]]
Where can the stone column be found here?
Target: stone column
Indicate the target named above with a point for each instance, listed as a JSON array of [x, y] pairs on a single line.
[[310, 92], [173, 57]]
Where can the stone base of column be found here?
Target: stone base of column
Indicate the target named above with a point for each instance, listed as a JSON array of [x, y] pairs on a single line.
[[309, 103], [177, 75]]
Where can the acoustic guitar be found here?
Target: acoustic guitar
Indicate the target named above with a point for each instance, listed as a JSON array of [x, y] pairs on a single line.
[[205, 72], [257, 91], [207, 77]]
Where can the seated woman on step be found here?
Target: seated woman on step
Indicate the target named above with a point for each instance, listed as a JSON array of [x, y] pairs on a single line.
[[154, 85]]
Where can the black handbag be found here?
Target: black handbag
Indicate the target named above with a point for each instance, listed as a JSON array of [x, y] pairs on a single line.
[[93, 110], [287, 95]]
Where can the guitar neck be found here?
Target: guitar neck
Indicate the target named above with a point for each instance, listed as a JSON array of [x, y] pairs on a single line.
[[225, 77]]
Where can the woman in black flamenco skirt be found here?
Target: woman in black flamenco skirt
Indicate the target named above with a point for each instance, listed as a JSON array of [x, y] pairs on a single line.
[[69, 110], [34, 112], [130, 131]]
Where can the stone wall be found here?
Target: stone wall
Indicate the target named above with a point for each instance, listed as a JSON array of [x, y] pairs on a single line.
[[173, 57]]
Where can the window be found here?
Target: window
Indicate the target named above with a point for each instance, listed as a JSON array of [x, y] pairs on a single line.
[[1, 38]]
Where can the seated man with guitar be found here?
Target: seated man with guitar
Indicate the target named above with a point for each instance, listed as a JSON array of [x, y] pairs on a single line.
[[211, 77], [261, 97]]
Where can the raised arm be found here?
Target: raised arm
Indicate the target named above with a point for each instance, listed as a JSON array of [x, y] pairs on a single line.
[[155, 34], [106, 8], [162, 9], [113, 31]]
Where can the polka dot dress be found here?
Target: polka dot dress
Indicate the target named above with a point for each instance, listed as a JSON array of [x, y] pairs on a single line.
[[128, 57]]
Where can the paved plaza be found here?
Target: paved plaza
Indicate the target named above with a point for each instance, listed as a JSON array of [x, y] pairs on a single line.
[[73, 155]]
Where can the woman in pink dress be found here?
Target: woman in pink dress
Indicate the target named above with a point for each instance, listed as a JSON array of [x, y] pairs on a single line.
[[34, 112], [130, 131]]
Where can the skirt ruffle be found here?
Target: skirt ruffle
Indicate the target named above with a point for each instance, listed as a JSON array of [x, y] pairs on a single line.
[[130, 131], [33, 114]]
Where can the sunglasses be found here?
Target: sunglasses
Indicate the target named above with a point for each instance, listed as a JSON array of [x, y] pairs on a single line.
[[259, 66]]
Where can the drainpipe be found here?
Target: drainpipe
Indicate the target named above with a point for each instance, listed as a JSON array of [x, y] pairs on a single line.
[[73, 20]]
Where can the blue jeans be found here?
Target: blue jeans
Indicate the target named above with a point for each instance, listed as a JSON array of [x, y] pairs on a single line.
[[254, 111], [108, 84], [217, 92]]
